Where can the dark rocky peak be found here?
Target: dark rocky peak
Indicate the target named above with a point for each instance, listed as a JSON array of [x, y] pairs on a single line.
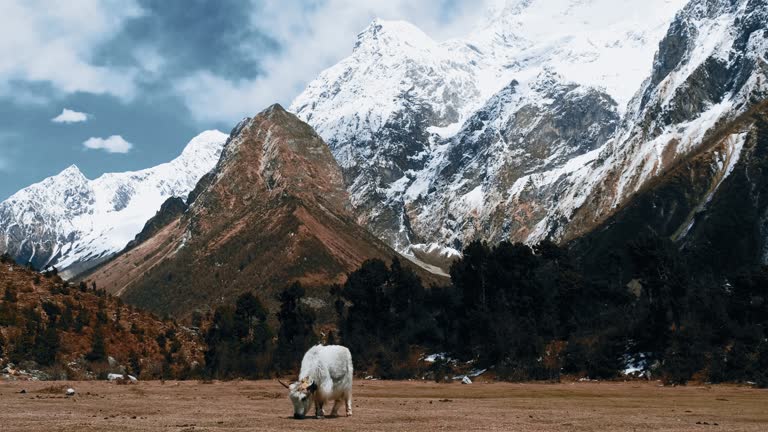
[[274, 154]]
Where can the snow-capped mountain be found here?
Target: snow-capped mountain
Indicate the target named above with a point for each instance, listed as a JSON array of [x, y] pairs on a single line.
[[72, 222], [538, 124], [710, 69]]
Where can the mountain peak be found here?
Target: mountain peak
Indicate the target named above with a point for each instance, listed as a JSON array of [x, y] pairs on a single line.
[[384, 33], [206, 142], [408, 118], [71, 177], [276, 107], [500, 8], [279, 154], [273, 211], [73, 222], [208, 136], [71, 170]]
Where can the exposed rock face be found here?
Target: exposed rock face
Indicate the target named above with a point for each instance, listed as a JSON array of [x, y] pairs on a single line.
[[544, 123], [432, 136], [712, 203], [274, 210], [720, 75], [471, 191], [75, 223], [529, 128], [171, 210]]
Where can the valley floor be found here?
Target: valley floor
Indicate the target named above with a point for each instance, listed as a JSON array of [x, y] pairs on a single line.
[[383, 406]]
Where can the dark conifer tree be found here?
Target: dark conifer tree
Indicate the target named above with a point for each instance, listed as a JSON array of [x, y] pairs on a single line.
[[47, 346], [67, 320], [83, 319], [296, 332], [98, 350], [239, 340]]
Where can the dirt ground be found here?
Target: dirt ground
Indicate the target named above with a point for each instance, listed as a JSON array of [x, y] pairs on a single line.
[[383, 406]]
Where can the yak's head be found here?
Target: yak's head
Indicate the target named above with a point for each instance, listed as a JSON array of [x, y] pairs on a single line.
[[301, 393]]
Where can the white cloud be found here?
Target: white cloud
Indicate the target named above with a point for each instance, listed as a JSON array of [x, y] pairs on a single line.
[[113, 144], [149, 59], [53, 43], [70, 116], [312, 39]]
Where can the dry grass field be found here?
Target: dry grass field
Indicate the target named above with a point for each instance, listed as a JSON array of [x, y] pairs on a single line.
[[383, 406]]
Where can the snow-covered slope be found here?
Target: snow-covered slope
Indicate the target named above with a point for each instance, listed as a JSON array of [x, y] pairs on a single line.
[[710, 68], [603, 44], [72, 222], [432, 136]]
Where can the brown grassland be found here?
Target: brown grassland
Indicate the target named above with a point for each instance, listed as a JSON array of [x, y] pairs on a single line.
[[384, 406]]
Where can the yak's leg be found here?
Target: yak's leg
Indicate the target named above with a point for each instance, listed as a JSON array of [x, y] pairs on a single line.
[[336, 406], [319, 413], [348, 397]]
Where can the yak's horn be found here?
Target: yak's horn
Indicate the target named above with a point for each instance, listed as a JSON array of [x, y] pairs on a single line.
[[284, 384]]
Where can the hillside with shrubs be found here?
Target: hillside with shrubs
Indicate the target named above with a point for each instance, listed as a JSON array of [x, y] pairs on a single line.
[[52, 329]]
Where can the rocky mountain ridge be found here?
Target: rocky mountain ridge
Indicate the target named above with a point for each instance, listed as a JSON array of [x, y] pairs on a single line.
[[539, 124], [273, 211]]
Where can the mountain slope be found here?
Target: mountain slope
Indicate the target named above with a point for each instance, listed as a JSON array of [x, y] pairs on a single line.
[[566, 114], [710, 69], [274, 210], [51, 325], [431, 136], [74, 223], [711, 203]]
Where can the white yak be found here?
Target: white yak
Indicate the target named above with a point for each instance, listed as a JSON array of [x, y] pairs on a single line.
[[326, 375]]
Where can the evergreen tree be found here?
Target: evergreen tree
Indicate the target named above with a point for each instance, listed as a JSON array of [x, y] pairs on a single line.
[[67, 320], [9, 295], [220, 340], [24, 346], [83, 320], [47, 346], [365, 326], [98, 350], [162, 341], [118, 317], [239, 340], [248, 313], [296, 332], [8, 315], [101, 312], [53, 311]]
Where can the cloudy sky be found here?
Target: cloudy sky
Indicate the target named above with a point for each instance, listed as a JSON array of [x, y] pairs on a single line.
[[124, 84]]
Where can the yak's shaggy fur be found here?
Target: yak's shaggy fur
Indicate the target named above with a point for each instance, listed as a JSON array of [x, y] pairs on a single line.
[[326, 375]]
